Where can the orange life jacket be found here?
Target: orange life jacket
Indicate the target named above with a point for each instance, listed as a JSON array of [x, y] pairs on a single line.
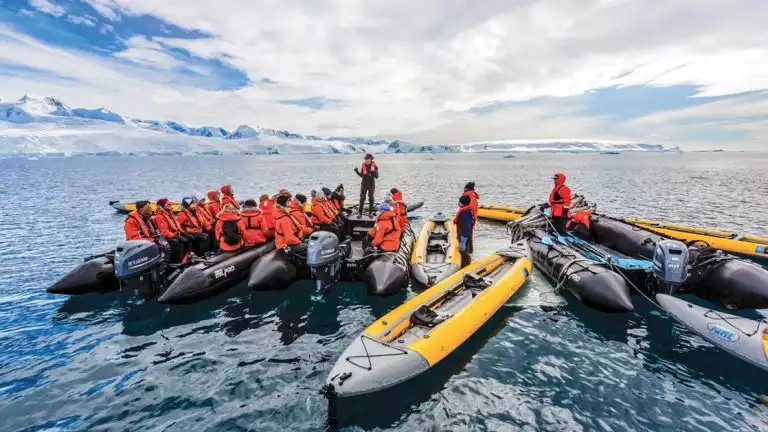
[[298, 212], [254, 227], [364, 169], [167, 224], [189, 222], [560, 200], [267, 208], [213, 205], [287, 229], [320, 213], [204, 217], [136, 228], [474, 198], [387, 232], [583, 217]]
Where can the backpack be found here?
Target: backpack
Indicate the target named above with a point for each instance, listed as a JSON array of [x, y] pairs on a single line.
[[231, 233]]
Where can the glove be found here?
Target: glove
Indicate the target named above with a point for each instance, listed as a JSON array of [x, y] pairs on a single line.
[[164, 246], [462, 244], [543, 206]]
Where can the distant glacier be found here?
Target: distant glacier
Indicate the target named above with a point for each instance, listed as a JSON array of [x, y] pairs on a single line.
[[47, 126]]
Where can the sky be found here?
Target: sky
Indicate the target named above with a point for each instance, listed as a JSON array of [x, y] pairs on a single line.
[[687, 73]]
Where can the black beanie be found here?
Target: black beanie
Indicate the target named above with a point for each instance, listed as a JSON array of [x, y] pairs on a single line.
[[282, 200], [250, 203], [301, 198], [393, 191], [186, 202], [326, 191], [464, 200]]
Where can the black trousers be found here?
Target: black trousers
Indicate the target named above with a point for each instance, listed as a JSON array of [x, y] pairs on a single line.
[[213, 244], [560, 223], [199, 242], [179, 247], [366, 189]]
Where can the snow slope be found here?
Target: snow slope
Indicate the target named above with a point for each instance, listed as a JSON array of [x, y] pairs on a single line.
[[47, 126]]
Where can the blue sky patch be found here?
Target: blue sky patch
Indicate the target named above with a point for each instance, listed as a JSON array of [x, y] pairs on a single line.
[[316, 103]]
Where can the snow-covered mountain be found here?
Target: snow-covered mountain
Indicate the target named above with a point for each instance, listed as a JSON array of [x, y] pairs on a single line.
[[47, 126]]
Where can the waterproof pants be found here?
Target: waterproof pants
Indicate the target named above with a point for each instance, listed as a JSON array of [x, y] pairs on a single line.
[[366, 189], [199, 242]]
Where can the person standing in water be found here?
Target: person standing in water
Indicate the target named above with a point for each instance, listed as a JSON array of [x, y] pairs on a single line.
[[559, 203], [465, 225], [369, 172]]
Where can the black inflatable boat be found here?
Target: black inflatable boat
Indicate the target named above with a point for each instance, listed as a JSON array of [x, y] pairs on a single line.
[[328, 260]]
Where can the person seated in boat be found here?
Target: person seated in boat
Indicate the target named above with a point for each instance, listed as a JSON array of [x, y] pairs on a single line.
[[208, 222], [386, 231], [399, 207], [171, 230], [287, 228], [230, 230], [580, 224], [192, 226], [267, 207], [296, 207], [228, 197], [559, 203], [137, 225], [337, 198], [328, 203], [255, 228], [322, 217], [213, 204], [465, 225]]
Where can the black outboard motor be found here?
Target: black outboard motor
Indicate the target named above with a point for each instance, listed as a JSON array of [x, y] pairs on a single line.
[[670, 265], [325, 257], [140, 266]]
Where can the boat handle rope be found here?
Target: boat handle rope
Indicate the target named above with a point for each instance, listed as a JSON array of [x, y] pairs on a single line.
[[716, 315], [368, 356]]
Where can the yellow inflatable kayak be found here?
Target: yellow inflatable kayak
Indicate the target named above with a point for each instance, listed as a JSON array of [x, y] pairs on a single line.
[[129, 206], [423, 331], [436, 252], [746, 245], [500, 213]]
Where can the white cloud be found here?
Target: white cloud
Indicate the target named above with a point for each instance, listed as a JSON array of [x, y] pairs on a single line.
[[85, 20], [46, 6], [26, 12], [413, 69]]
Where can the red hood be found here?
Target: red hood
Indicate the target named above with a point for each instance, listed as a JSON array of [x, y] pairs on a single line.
[[250, 211], [559, 178], [228, 215], [397, 196], [226, 190], [213, 196], [293, 205]]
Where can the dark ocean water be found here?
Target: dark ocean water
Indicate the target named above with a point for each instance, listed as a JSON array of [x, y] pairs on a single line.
[[255, 361]]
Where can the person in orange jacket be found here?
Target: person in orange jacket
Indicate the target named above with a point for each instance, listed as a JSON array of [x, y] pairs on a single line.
[[399, 207], [171, 230], [208, 222], [474, 204], [230, 230], [337, 198], [213, 204], [580, 224], [192, 226], [228, 197], [137, 225], [267, 207], [386, 231], [321, 216], [254, 233], [559, 203], [287, 228], [296, 207]]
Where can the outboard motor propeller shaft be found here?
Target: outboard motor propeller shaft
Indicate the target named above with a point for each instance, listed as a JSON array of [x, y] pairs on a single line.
[[670, 265], [324, 258]]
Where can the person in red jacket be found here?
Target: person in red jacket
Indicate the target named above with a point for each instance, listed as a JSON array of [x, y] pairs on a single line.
[[580, 224], [192, 226], [230, 230], [213, 204], [465, 225], [208, 223], [228, 197], [267, 207], [254, 233], [137, 225], [399, 207], [386, 235], [287, 228], [337, 198], [296, 207], [368, 172], [321, 216], [559, 203], [171, 230]]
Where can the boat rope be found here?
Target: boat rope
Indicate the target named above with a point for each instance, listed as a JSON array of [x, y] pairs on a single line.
[[368, 356], [716, 315]]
